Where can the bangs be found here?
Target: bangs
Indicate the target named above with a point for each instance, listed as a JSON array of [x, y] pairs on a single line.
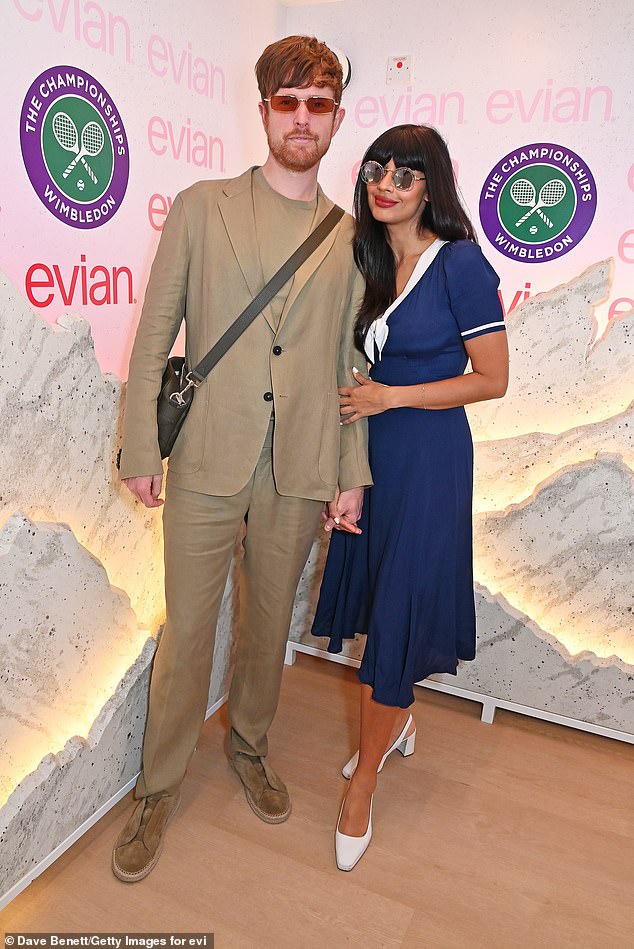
[[401, 144]]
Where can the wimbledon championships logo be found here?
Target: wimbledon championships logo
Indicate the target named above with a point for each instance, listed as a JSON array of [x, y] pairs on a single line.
[[74, 147], [538, 203]]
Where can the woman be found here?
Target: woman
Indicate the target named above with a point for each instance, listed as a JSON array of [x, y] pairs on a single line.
[[430, 305]]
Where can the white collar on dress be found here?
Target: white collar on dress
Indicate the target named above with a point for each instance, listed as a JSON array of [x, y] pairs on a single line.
[[378, 331]]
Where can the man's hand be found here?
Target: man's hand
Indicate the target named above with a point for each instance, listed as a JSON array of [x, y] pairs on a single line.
[[146, 488], [344, 512]]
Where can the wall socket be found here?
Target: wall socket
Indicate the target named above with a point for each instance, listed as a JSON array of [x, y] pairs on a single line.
[[399, 69]]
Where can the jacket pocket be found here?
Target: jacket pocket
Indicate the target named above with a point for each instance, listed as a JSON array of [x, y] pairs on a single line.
[[187, 455]]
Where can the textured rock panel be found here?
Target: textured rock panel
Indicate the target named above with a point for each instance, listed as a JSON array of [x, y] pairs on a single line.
[[69, 787], [560, 378], [66, 639], [61, 418], [508, 470], [564, 556], [518, 662]]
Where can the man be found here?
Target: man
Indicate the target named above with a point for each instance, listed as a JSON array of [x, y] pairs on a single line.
[[262, 437]]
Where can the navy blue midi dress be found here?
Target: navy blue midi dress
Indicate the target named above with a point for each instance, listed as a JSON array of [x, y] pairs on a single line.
[[407, 580]]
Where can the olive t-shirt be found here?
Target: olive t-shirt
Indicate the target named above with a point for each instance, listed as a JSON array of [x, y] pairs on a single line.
[[281, 224]]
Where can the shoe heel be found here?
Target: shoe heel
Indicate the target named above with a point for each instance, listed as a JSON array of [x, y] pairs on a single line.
[[351, 766], [408, 745]]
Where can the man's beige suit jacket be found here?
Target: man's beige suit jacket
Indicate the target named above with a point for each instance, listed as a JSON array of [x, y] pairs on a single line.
[[206, 270]]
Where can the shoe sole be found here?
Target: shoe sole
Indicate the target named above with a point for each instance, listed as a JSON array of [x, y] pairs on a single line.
[[267, 818], [126, 877], [348, 869]]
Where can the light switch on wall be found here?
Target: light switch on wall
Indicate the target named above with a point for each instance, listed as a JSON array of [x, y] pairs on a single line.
[[399, 69]]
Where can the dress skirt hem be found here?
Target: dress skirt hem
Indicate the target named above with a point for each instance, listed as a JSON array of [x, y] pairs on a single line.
[[401, 696]]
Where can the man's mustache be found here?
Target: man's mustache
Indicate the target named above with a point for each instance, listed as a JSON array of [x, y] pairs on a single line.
[[293, 135]]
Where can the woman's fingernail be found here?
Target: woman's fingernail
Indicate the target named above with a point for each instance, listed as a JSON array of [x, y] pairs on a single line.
[[354, 369], [336, 520]]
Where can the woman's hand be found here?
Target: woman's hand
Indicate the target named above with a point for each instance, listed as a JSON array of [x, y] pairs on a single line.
[[368, 398]]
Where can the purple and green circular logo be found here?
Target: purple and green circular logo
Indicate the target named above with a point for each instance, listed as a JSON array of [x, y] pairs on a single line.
[[74, 147], [538, 203]]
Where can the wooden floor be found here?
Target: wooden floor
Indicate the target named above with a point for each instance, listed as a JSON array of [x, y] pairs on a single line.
[[518, 835]]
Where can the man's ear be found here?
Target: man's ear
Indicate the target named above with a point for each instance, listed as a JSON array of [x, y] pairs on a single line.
[[339, 117], [264, 115]]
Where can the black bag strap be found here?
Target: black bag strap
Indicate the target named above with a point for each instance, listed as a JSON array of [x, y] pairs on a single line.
[[196, 375]]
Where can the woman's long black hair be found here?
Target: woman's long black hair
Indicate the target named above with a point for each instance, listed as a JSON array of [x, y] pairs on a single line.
[[421, 148]]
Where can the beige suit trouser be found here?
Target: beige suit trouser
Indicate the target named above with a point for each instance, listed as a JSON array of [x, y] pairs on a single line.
[[200, 532]]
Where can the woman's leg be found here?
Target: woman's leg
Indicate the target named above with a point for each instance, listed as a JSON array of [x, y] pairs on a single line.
[[380, 726]]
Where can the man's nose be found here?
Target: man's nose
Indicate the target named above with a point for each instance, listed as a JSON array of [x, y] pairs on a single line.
[[302, 115]]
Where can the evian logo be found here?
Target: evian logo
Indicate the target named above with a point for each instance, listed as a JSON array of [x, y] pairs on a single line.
[[74, 147], [97, 284], [538, 202]]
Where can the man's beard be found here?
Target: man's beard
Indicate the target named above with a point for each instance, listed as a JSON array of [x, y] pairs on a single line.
[[296, 157]]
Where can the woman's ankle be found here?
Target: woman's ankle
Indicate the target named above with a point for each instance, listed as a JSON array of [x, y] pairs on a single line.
[[363, 783]]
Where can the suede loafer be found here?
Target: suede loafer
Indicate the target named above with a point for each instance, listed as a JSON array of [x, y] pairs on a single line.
[[140, 843], [264, 790]]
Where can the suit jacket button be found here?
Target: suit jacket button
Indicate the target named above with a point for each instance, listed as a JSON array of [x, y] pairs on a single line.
[[268, 396], [277, 350]]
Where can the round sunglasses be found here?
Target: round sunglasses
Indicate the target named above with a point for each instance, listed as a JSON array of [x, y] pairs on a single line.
[[402, 178], [316, 105]]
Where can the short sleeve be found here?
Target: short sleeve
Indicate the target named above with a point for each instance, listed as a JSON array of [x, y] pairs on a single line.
[[472, 286]]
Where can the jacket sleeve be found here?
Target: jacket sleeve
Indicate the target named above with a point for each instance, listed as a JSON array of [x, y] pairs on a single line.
[[354, 470], [161, 317]]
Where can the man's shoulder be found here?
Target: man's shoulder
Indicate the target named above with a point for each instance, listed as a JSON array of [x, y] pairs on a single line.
[[345, 233], [203, 189], [208, 190], [345, 227]]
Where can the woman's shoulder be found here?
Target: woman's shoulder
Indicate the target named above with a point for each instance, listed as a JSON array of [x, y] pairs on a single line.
[[462, 251], [465, 256]]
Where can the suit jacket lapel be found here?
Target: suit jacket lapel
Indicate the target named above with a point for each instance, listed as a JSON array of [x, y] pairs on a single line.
[[236, 210]]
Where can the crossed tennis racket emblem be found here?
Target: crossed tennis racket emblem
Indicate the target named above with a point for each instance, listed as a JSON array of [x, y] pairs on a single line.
[[550, 194], [91, 143]]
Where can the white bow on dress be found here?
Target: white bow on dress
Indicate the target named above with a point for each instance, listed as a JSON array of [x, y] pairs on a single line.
[[379, 330]]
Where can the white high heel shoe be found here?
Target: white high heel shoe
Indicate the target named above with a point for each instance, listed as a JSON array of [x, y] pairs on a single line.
[[404, 745], [349, 850]]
